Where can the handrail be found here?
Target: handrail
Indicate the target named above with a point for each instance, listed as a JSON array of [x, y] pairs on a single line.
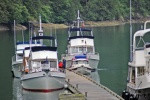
[[146, 23], [100, 85]]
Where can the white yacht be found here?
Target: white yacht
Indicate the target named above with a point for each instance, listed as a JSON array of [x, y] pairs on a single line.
[[17, 64], [138, 82], [81, 65], [17, 58], [81, 41], [42, 73]]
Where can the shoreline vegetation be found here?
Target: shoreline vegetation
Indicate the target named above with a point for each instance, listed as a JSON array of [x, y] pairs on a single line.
[[87, 24]]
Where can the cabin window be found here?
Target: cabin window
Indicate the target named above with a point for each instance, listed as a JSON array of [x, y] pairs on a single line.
[[89, 49], [140, 71], [36, 64], [74, 50], [53, 64], [45, 64], [82, 49], [133, 75], [20, 56]]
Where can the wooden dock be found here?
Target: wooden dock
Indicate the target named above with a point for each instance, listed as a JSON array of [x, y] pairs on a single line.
[[88, 87]]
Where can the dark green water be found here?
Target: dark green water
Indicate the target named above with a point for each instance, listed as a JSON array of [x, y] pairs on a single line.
[[112, 43]]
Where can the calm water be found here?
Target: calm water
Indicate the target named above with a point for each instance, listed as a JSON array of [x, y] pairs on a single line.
[[111, 42]]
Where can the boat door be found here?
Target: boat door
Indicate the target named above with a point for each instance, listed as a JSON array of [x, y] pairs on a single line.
[[131, 74]]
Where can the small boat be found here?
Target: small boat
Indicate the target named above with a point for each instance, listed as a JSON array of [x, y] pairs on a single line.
[[42, 73], [81, 41], [81, 65], [138, 81]]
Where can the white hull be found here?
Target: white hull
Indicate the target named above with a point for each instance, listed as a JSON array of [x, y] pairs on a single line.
[[16, 70], [83, 70], [93, 63], [43, 81], [141, 94]]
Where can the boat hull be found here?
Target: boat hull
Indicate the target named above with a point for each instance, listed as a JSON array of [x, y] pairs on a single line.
[[93, 60], [93, 63], [17, 70], [141, 94], [82, 70], [43, 82]]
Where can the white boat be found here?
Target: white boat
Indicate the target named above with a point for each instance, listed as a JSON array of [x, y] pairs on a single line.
[[43, 73], [138, 82], [17, 64], [17, 58], [81, 41], [81, 65]]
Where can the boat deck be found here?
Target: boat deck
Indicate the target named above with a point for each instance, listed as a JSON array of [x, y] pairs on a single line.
[[91, 89]]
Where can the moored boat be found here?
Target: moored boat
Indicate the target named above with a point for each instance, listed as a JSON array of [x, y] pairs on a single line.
[[81, 41], [42, 73], [17, 58], [138, 81], [81, 65]]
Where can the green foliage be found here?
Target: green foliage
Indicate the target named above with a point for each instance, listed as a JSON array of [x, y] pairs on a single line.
[[60, 11]]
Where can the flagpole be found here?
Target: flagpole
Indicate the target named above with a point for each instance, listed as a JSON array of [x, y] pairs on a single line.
[[131, 47]]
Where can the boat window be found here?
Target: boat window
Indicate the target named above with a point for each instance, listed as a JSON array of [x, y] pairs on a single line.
[[20, 56], [53, 64], [82, 49], [133, 75], [140, 71], [89, 49], [36, 64], [74, 50]]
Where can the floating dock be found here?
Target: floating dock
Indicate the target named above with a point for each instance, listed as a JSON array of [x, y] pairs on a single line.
[[87, 88]]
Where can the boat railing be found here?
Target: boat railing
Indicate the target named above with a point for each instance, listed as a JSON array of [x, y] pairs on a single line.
[[90, 53]]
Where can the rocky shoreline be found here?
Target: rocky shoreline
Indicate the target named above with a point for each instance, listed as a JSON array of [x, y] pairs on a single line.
[[87, 24]]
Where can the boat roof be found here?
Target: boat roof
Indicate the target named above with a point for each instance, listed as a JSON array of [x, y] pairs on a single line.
[[17, 43], [75, 37], [79, 29], [141, 32], [43, 37], [41, 48]]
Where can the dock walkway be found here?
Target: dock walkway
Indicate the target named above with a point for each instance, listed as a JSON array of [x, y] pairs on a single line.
[[91, 89]]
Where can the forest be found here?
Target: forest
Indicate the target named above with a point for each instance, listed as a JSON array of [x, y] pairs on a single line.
[[64, 11]]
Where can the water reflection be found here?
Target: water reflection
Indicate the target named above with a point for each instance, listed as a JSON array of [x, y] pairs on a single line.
[[95, 76], [40, 96], [17, 90], [19, 94]]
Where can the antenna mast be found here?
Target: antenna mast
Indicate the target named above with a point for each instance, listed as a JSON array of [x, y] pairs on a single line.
[[131, 47]]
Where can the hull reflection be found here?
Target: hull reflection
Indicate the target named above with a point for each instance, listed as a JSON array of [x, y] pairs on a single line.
[[20, 94]]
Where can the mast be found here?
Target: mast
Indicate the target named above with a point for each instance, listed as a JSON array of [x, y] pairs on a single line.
[[78, 22], [14, 34], [22, 36], [55, 38], [40, 30], [131, 47]]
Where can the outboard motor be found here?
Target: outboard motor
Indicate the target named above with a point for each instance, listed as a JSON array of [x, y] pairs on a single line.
[[123, 94], [127, 95]]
